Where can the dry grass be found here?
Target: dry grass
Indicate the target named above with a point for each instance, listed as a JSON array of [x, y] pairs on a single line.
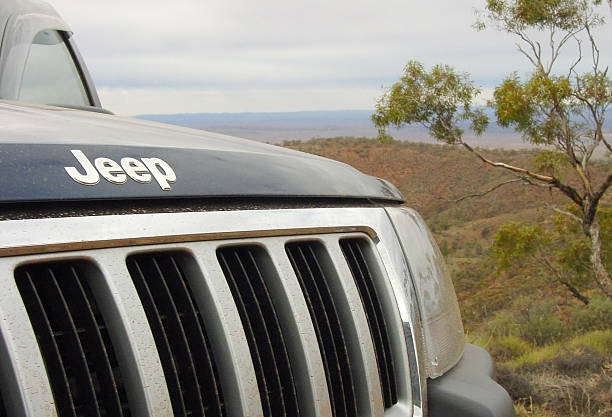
[[569, 378]]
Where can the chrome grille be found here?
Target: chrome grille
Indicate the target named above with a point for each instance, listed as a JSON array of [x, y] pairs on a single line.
[[307, 259], [179, 332], [76, 348], [363, 271], [291, 272], [243, 266]]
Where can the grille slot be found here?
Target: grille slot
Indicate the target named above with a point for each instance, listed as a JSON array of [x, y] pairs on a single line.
[[243, 267], [307, 262], [355, 251], [3, 412], [183, 345], [78, 355]]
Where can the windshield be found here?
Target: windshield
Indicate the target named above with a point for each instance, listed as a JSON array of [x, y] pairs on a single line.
[[50, 75]]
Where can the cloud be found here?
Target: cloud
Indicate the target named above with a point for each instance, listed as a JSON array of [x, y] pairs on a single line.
[[267, 46]]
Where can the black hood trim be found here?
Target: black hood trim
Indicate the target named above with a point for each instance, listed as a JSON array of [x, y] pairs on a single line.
[[37, 172], [55, 209]]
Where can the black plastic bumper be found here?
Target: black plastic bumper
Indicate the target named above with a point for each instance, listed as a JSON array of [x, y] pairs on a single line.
[[467, 390]]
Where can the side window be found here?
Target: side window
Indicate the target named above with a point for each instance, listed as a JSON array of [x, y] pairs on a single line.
[[50, 75]]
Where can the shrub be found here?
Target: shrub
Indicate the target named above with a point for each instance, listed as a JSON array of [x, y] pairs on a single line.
[[508, 347], [543, 328], [597, 315], [599, 341], [534, 320], [502, 324], [477, 338], [536, 356], [539, 321], [576, 362], [563, 379]]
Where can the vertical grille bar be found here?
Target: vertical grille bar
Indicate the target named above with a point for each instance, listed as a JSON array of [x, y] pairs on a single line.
[[48, 345], [179, 332], [265, 338], [95, 342], [80, 361], [196, 335], [161, 338], [330, 336], [353, 250]]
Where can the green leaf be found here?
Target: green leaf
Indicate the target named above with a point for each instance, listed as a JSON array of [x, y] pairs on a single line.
[[439, 99], [516, 241]]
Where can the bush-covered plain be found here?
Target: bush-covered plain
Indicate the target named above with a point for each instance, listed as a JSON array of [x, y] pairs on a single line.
[[553, 353]]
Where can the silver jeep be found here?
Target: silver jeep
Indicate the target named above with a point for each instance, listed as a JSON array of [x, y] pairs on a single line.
[[152, 270]]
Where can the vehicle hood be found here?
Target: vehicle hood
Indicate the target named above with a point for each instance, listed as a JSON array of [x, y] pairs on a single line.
[[38, 143]]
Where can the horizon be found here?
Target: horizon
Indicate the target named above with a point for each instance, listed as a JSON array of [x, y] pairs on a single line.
[[277, 127]]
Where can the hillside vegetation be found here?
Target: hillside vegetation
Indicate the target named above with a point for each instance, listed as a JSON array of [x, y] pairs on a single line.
[[554, 354]]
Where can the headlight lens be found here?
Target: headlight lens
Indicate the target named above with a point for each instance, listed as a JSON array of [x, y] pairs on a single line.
[[441, 320]]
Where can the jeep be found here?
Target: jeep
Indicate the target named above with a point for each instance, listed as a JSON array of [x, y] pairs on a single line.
[[153, 270]]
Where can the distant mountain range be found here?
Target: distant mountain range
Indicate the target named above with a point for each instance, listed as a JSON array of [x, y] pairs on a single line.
[[303, 125]]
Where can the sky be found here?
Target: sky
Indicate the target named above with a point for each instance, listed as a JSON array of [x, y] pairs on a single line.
[[196, 56]]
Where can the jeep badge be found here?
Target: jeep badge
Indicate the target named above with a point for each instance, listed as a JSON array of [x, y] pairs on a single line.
[[141, 171]]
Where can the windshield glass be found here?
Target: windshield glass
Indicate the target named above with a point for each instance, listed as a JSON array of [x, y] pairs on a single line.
[[50, 75]]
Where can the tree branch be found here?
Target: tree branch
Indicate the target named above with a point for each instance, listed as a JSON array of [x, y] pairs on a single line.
[[605, 142], [584, 177], [602, 190], [490, 190], [554, 52], [588, 153], [556, 49], [539, 177], [596, 113], [521, 50], [559, 277], [554, 182], [537, 51], [529, 181], [594, 47], [575, 63], [565, 213]]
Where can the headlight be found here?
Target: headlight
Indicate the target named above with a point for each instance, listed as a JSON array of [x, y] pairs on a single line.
[[441, 320]]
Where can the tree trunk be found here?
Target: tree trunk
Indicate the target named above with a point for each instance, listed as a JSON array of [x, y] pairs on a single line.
[[557, 274], [601, 274], [575, 292]]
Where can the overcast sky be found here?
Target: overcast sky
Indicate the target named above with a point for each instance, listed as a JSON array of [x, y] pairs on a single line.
[[190, 56]]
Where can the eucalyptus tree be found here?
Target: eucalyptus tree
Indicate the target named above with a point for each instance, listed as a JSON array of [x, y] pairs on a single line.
[[560, 105]]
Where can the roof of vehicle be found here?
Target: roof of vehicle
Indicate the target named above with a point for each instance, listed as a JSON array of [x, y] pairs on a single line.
[[9, 8], [36, 143]]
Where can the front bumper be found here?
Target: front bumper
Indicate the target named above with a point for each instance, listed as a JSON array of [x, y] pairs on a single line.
[[468, 390]]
